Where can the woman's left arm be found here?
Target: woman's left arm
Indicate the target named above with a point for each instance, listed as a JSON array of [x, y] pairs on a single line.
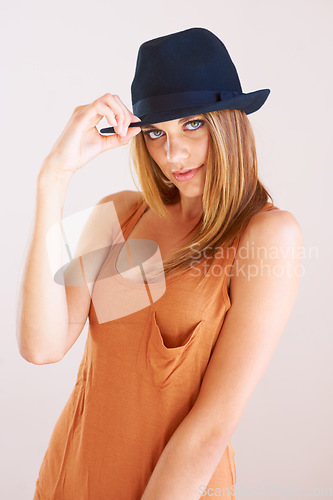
[[263, 291]]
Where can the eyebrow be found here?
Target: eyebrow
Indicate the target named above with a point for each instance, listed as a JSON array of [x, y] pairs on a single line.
[[179, 121]]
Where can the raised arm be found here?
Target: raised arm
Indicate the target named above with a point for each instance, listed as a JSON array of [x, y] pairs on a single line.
[[49, 316]]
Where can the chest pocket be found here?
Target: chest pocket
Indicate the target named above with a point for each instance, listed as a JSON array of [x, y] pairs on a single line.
[[161, 365]]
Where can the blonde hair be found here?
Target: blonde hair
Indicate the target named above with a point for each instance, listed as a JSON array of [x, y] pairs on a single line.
[[232, 193]]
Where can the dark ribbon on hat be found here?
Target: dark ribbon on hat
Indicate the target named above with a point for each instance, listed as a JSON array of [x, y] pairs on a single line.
[[181, 100]]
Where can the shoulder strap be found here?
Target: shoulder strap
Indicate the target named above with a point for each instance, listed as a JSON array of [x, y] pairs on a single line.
[[127, 223]]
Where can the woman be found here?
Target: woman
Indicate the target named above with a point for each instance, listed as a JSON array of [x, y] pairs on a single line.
[[169, 364]]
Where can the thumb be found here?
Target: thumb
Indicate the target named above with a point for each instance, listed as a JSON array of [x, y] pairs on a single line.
[[114, 140], [136, 118]]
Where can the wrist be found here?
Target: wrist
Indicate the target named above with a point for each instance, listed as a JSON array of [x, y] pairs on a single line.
[[51, 174]]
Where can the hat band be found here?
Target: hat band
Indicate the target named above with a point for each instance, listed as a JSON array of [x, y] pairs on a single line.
[[180, 100]]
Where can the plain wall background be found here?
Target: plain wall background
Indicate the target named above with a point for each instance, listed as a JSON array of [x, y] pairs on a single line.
[[56, 56]]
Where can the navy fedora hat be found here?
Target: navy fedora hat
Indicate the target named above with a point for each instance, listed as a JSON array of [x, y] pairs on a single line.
[[187, 73]]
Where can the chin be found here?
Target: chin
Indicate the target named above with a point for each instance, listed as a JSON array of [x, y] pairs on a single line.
[[191, 191]]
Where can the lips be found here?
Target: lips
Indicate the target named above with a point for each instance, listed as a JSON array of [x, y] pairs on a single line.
[[183, 171], [187, 174]]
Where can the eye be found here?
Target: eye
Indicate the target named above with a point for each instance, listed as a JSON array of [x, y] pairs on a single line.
[[155, 131], [195, 124]]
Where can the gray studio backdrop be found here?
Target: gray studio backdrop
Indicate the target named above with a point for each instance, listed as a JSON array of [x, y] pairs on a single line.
[[56, 56]]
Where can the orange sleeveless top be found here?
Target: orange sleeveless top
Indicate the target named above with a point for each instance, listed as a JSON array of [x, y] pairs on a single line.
[[133, 390]]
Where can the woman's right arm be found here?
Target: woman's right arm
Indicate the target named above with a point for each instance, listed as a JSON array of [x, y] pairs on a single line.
[[42, 314], [46, 320]]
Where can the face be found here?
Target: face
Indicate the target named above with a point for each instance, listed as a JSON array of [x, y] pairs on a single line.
[[178, 146]]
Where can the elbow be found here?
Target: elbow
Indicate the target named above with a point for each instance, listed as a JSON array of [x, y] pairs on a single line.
[[213, 434], [210, 436], [40, 360], [36, 358]]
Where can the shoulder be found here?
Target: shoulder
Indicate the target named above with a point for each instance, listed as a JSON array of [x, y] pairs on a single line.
[[271, 227], [269, 251], [122, 201], [104, 217], [271, 232]]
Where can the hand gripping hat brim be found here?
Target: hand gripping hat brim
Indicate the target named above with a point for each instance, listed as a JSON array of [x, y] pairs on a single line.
[[184, 74]]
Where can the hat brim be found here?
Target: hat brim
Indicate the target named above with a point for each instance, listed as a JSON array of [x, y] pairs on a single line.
[[249, 103]]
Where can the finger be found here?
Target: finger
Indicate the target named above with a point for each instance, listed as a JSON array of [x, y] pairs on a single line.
[[112, 100], [104, 110], [110, 108], [131, 117], [114, 141], [91, 114], [136, 118], [128, 116]]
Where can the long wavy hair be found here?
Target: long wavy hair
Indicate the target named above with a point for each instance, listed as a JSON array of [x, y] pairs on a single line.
[[232, 192]]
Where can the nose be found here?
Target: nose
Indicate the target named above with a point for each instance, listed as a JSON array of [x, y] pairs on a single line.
[[176, 149]]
